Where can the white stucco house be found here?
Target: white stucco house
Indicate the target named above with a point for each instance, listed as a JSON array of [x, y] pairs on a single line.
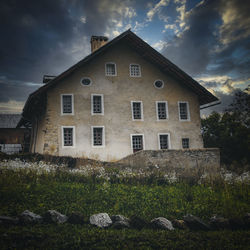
[[123, 97]]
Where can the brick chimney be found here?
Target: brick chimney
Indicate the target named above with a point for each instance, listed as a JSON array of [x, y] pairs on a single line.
[[97, 42]]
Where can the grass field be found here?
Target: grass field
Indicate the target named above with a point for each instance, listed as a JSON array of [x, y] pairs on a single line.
[[147, 198]]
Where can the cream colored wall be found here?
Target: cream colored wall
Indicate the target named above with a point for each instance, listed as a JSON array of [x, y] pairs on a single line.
[[118, 93]]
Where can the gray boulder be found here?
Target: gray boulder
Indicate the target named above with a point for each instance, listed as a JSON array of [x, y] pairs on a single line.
[[161, 223], [195, 223], [52, 216], [28, 217], [6, 220], [100, 220], [179, 224], [76, 218], [120, 221], [218, 222], [120, 225]]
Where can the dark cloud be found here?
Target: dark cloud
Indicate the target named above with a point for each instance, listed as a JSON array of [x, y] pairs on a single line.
[[215, 42]]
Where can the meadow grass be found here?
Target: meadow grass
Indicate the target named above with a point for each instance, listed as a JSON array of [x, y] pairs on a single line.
[[145, 197]]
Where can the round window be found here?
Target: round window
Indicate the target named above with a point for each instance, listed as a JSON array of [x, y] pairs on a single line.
[[86, 81], [159, 84]]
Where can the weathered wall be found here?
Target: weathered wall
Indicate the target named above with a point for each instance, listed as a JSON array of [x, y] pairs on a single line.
[[118, 93], [185, 162]]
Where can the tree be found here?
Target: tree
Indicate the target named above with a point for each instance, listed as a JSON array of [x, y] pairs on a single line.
[[230, 131]]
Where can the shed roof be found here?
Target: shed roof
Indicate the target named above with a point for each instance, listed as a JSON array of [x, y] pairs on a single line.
[[146, 51], [9, 120]]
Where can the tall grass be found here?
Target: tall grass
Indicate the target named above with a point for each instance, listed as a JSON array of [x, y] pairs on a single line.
[[147, 197]]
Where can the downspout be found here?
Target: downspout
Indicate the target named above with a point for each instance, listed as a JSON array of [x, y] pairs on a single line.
[[36, 121]]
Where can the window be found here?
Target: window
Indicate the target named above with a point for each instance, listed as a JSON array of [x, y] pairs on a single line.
[[162, 110], [135, 70], [159, 84], [86, 81], [164, 141], [137, 110], [183, 111], [185, 142], [68, 136], [98, 136], [67, 104], [137, 142], [110, 69], [97, 107]]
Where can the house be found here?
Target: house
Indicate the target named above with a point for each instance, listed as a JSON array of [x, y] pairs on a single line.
[[12, 139], [122, 98]]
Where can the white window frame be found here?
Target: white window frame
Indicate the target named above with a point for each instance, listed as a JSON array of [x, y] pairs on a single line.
[[162, 84], [86, 78], [72, 103], [106, 68], [169, 141], [156, 106], [188, 142], [92, 106], [103, 137], [130, 69], [74, 136], [188, 112], [132, 111], [131, 141]]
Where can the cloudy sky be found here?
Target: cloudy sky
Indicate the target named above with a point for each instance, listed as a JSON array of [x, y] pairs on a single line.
[[208, 39]]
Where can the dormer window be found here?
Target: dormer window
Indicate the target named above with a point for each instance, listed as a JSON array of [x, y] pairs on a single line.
[[110, 69], [135, 70]]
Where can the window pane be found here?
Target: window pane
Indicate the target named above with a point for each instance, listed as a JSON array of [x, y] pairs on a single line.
[[97, 136], [137, 142], [67, 104], [97, 104], [183, 111], [135, 70], [185, 142], [68, 136], [110, 69], [137, 110], [162, 112], [164, 141]]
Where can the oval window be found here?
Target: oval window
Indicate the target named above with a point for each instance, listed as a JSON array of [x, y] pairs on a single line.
[[159, 84], [86, 81]]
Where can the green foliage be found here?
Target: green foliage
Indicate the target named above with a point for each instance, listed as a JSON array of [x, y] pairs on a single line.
[[230, 131], [148, 199]]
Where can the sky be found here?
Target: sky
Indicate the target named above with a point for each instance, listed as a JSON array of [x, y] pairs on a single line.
[[208, 39]]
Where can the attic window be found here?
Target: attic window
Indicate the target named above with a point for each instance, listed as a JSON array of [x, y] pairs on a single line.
[[135, 70], [159, 84], [110, 69], [86, 81]]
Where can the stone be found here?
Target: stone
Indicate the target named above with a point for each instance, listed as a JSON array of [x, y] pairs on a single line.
[[7, 221], [180, 224], [236, 223], [161, 223], [195, 223], [28, 217], [100, 220], [218, 222], [76, 218], [119, 217], [247, 220], [120, 225], [138, 223], [52, 216]]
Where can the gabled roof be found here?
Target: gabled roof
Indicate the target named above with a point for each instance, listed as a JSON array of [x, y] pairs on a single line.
[[9, 120], [146, 51]]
